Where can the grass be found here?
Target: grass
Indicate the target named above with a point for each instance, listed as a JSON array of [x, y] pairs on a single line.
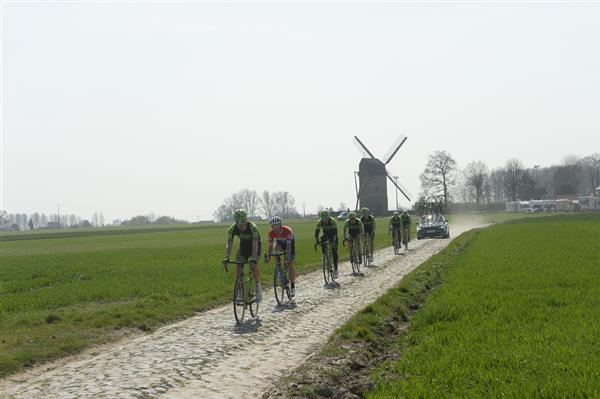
[[509, 311], [64, 291]]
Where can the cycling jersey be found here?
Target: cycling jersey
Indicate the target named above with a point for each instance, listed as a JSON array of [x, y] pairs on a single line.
[[355, 229], [368, 223], [405, 221], [396, 222], [329, 227], [251, 232], [284, 236], [285, 240], [246, 237]]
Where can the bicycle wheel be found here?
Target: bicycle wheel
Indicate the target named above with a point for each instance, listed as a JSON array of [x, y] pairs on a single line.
[[252, 296], [366, 253], [278, 284], [326, 267], [239, 305]]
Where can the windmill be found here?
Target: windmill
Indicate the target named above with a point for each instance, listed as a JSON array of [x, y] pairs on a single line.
[[371, 189]]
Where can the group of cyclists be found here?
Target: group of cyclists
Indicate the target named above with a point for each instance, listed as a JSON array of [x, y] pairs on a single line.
[[281, 239]]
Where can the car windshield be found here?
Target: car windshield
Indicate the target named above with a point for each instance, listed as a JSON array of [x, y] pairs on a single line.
[[432, 219]]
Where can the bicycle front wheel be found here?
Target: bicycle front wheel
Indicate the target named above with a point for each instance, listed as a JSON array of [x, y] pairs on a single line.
[[279, 284], [326, 267], [366, 252], [239, 303], [252, 304]]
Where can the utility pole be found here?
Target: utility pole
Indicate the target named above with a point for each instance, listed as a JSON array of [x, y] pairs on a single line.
[[396, 180]]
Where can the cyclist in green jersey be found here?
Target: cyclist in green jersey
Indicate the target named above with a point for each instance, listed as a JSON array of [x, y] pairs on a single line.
[[355, 228], [405, 229], [395, 227], [249, 247], [330, 233], [369, 224]]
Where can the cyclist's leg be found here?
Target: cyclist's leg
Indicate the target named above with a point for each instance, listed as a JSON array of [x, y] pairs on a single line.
[[358, 248], [291, 270], [334, 252]]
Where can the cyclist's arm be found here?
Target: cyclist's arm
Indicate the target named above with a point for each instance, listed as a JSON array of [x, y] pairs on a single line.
[[362, 228], [374, 225], [345, 229], [254, 249], [317, 230], [230, 240], [229, 246]]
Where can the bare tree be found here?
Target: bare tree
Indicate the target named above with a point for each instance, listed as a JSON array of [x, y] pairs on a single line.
[[591, 166], [223, 213], [249, 200], [496, 180], [573, 167], [475, 174], [101, 219], [43, 220], [284, 204], [267, 204], [95, 219], [514, 173], [439, 175]]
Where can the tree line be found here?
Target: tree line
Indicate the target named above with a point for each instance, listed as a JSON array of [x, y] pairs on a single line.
[[36, 220], [266, 204], [443, 182]]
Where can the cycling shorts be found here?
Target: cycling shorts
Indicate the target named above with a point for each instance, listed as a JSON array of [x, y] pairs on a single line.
[[281, 245]]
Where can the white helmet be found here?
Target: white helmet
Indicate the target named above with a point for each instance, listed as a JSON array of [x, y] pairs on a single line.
[[276, 221]]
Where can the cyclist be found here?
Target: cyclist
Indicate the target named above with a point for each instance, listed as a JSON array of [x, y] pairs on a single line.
[[395, 227], [356, 230], [405, 229], [249, 247], [282, 238], [369, 224], [330, 233]]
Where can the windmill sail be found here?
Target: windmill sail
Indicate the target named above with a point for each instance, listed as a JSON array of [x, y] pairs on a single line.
[[362, 148], [400, 187], [394, 149]]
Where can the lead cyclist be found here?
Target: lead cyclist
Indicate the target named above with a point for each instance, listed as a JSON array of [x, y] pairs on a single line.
[[249, 247]]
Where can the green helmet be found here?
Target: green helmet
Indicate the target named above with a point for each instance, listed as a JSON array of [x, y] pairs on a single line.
[[240, 216], [396, 214], [405, 213], [365, 211], [324, 214], [352, 216]]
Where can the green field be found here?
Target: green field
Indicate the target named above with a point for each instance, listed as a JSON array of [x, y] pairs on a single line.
[[66, 290], [509, 311]]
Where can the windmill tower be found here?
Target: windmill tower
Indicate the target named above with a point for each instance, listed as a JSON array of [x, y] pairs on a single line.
[[371, 189]]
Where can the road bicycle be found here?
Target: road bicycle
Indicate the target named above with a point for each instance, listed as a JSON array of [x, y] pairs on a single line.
[[354, 256], [244, 293], [281, 285], [327, 262], [367, 250]]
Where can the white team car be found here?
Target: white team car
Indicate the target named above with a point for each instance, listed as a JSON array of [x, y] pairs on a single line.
[[433, 226]]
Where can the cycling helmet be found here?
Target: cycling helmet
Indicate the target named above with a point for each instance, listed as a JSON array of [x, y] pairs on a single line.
[[323, 214], [240, 216], [276, 221], [396, 214], [352, 216], [405, 213], [365, 211]]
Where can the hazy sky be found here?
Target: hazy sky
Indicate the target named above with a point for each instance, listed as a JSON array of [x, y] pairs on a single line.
[[169, 108]]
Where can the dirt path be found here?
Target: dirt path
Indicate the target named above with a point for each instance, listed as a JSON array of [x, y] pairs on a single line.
[[207, 356]]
